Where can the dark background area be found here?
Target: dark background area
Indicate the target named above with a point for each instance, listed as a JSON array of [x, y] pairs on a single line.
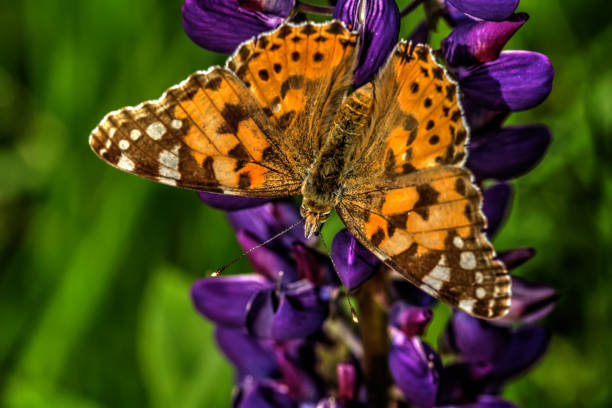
[[96, 265]]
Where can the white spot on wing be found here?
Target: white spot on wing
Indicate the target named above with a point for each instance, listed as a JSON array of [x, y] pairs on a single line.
[[433, 282], [440, 272], [177, 124], [125, 163], [156, 130], [112, 132], [108, 143], [428, 290], [458, 242], [168, 181], [479, 277], [480, 293], [135, 134], [124, 144], [169, 163], [467, 260], [467, 305]]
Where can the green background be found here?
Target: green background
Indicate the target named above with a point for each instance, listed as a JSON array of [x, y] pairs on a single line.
[[96, 265]]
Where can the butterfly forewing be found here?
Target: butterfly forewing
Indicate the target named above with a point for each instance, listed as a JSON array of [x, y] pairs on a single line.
[[408, 199], [299, 74], [206, 134]]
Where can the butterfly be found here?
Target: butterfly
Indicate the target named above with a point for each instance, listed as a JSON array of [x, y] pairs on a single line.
[[278, 120]]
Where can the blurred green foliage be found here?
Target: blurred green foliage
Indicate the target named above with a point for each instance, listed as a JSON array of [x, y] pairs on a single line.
[[96, 265]]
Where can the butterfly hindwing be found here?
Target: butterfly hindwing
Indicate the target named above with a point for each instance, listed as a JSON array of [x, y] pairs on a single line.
[[299, 74], [206, 133], [428, 227]]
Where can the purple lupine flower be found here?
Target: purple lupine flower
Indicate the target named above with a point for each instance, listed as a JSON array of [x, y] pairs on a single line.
[[284, 329], [378, 34], [221, 25], [475, 42], [280, 303]]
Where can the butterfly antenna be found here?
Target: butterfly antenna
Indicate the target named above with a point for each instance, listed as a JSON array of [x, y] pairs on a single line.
[[348, 298], [233, 261]]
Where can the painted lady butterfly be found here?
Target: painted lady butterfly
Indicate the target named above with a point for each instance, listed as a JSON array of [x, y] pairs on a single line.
[[276, 121]]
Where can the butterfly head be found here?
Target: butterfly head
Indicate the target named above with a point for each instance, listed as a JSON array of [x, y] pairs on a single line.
[[314, 217]]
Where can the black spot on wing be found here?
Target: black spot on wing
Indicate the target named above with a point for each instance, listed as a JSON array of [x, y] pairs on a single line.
[[427, 197], [335, 28], [233, 115], [293, 82], [284, 31], [244, 180], [308, 29], [213, 84], [378, 236]]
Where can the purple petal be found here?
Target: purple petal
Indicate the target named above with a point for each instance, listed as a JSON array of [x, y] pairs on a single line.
[[495, 205], [302, 310], [411, 320], [312, 265], [480, 118], [300, 385], [516, 257], [379, 36], [221, 25], [355, 264], [517, 80], [508, 152], [476, 340], [246, 353], [269, 219], [266, 261], [228, 202], [480, 41], [298, 311], [347, 382], [454, 17], [526, 346], [462, 382], [224, 299], [265, 395], [530, 302], [495, 10], [260, 314], [510, 351], [414, 367]]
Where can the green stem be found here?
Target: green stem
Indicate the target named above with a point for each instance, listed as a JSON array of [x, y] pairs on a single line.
[[410, 8], [373, 323]]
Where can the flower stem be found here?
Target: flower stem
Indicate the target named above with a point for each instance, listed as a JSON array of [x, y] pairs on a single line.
[[314, 8], [373, 323], [410, 8]]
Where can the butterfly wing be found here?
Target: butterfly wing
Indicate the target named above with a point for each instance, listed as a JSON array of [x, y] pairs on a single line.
[[299, 74], [207, 133], [407, 197]]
